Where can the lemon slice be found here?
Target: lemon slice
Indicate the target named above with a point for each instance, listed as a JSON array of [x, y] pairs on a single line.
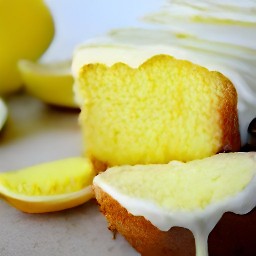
[[51, 83], [3, 113], [49, 187]]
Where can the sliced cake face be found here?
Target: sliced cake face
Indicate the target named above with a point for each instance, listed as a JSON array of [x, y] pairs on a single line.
[[181, 186], [163, 110]]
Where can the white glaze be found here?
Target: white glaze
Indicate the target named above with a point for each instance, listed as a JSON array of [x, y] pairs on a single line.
[[200, 222], [234, 21]]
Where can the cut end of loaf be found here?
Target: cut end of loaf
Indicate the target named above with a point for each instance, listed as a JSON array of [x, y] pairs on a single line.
[[166, 109], [181, 186]]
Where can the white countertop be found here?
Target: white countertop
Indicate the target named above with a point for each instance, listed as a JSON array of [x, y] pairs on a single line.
[[36, 133]]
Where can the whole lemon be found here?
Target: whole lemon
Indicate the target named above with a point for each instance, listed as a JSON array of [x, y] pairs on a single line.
[[26, 31]]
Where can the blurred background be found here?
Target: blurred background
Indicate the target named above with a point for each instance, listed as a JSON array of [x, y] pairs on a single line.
[[78, 20]]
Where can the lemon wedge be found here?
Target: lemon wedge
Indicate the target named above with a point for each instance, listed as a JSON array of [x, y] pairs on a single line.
[[51, 83], [49, 187], [3, 113]]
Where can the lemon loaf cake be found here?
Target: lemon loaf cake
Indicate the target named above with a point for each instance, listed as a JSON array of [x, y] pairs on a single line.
[[173, 209], [152, 111]]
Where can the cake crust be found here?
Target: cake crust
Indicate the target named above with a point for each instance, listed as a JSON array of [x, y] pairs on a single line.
[[231, 141]]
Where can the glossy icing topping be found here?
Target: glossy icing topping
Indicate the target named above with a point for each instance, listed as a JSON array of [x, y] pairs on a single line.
[[231, 22]]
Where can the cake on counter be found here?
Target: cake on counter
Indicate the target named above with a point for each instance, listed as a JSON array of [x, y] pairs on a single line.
[[159, 104]]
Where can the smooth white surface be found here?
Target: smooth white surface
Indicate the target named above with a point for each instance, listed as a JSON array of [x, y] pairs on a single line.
[[79, 20]]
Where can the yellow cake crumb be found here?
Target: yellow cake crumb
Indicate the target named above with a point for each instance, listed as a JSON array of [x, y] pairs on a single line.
[[165, 109], [184, 186]]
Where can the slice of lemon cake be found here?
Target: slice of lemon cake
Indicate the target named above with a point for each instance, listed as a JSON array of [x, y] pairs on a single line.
[[171, 209], [152, 111]]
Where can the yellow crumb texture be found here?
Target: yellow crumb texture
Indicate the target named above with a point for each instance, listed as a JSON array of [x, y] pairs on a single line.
[[166, 109], [184, 186]]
